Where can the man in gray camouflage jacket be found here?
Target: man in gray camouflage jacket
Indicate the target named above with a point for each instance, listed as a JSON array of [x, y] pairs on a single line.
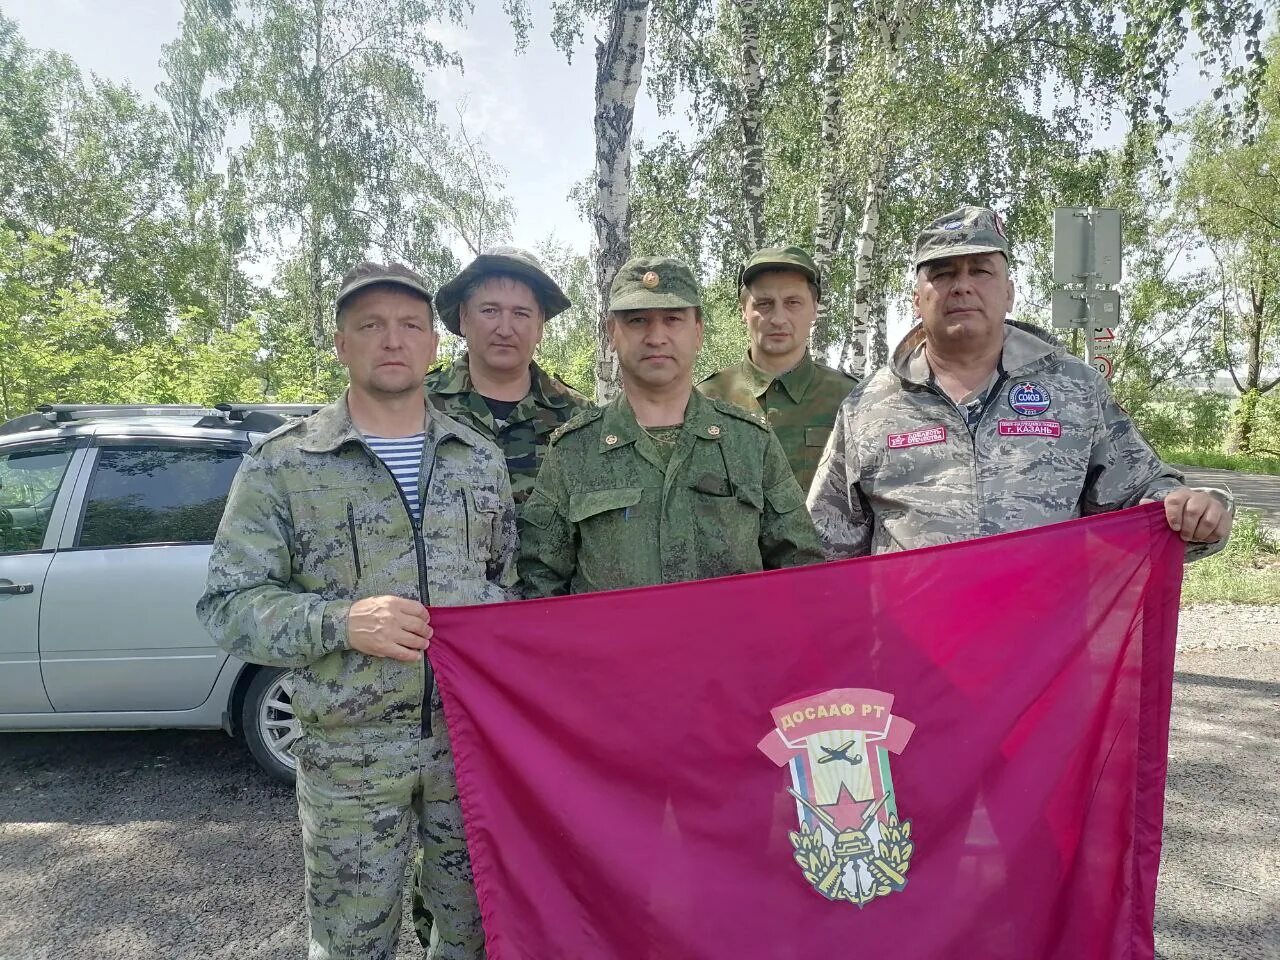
[[339, 529], [981, 426]]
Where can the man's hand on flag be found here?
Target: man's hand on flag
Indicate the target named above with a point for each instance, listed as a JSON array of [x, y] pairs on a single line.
[[1198, 517], [389, 627]]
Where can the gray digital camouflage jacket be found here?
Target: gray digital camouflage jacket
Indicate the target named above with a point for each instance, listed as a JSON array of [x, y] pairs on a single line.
[[315, 521], [903, 470]]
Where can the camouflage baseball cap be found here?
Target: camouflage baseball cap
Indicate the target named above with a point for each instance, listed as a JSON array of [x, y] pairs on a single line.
[[509, 261], [962, 232], [780, 258], [644, 283], [367, 274]]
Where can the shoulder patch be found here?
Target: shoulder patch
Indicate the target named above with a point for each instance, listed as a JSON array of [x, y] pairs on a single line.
[[278, 432], [577, 423], [733, 410]]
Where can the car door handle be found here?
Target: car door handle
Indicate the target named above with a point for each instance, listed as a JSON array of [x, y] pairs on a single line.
[[8, 586]]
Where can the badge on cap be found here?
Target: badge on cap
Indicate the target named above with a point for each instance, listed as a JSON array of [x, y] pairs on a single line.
[[953, 225], [650, 280], [1029, 399]]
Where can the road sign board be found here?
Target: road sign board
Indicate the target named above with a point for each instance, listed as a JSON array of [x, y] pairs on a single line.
[[1086, 308], [1086, 245]]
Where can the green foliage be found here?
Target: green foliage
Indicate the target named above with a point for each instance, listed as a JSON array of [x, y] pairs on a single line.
[[1247, 570]]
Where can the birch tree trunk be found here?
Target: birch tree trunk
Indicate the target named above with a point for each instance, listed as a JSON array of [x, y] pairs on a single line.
[[619, 62], [830, 195], [862, 332], [868, 319], [751, 77]]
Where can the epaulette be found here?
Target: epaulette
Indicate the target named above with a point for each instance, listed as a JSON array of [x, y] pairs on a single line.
[[713, 375], [838, 372], [278, 432], [733, 410], [577, 423]]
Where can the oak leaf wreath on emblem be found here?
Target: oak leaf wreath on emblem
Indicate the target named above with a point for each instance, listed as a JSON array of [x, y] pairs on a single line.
[[821, 871]]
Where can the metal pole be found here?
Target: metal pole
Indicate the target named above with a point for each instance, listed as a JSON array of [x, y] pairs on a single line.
[[1090, 284]]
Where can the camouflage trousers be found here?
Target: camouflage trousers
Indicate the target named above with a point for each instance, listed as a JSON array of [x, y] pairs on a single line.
[[358, 804]]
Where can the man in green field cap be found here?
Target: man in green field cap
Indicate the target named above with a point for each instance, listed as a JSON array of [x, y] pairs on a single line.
[[981, 425], [500, 304], [663, 484], [778, 292]]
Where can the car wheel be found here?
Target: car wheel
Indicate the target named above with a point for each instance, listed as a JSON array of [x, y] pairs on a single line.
[[269, 724]]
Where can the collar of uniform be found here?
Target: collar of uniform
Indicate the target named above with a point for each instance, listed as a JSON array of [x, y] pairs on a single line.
[[332, 426], [453, 378], [543, 387], [619, 421], [796, 381], [456, 378], [1021, 348], [702, 418]]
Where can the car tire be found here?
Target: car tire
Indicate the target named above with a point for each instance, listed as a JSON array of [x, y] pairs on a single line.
[[269, 724]]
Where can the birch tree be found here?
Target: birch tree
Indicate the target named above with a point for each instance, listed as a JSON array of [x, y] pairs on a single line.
[[751, 113], [831, 187], [620, 52]]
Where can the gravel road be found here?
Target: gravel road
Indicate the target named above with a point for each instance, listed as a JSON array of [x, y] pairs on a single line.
[[169, 846]]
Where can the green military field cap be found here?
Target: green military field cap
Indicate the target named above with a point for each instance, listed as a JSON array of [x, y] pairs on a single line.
[[962, 232], [645, 283], [780, 258], [367, 274], [505, 261]]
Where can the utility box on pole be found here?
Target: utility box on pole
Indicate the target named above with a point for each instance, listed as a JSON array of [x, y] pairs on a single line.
[[1087, 258]]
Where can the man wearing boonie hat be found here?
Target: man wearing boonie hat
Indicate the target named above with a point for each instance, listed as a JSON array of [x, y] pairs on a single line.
[[980, 425], [661, 485], [501, 304], [778, 293], [338, 531]]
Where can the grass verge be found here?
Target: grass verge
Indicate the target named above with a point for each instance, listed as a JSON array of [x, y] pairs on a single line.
[[1247, 570], [1222, 461]]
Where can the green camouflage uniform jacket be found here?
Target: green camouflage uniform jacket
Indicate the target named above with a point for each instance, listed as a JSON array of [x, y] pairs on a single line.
[[800, 405], [1048, 442], [606, 514], [315, 521], [548, 405]]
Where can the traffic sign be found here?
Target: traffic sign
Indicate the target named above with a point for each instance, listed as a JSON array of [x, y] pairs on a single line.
[[1086, 245]]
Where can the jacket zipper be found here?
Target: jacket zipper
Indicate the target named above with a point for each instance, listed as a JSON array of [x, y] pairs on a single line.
[[424, 591], [355, 547], [973, 432]]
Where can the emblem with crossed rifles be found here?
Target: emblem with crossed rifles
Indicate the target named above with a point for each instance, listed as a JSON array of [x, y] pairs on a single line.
[[854, 847]]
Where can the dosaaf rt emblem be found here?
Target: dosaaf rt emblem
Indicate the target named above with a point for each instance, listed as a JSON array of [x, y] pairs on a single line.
[[852, 844]]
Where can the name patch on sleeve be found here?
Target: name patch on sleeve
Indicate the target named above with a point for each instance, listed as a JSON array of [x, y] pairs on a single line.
[[917, 438], [1030, 428]]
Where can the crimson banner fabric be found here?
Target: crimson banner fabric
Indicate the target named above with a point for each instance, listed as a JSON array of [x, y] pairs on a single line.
[[956, 752]]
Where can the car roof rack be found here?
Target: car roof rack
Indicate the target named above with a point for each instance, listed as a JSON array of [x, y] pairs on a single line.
[[239, 411], [250, 417], [68, 412]]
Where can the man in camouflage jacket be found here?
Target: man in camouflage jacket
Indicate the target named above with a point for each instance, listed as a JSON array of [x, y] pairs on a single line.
[[662, 485], [778, 292], [324, 563], [980, 426], [500, 303]]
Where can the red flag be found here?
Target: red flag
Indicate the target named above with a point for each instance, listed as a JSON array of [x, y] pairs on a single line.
[[951, 752]]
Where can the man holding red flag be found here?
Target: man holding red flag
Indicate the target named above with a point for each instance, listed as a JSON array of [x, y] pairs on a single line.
[[663, 484], [981, 426]]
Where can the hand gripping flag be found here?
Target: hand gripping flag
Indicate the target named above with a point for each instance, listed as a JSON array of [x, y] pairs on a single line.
[[951, 752]]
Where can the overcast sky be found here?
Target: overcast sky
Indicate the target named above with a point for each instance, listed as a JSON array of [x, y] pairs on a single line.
[[532, 111]]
